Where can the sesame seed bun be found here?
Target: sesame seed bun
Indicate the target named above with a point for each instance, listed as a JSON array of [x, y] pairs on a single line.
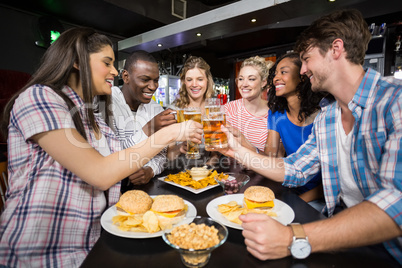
[[135, 201], [166, 203], [259, 194]]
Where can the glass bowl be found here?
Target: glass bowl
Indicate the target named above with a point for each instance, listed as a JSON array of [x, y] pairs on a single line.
[[198, 257], [233, 183]]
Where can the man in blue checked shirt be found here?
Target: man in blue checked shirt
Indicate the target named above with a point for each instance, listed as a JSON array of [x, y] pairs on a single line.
[[356, 142]]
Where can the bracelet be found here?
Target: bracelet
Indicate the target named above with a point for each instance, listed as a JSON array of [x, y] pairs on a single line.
[[257, 151]]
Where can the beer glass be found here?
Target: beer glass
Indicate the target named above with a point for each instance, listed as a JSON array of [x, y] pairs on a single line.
[[180, 115], [212, 120], [193, 150]]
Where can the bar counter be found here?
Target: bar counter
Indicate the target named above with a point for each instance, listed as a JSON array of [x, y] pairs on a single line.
[[115, 251]]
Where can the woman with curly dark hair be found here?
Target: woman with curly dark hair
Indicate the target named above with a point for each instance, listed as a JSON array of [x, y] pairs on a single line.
[[292, 109]]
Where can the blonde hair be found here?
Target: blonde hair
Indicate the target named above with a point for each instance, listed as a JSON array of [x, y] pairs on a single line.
[[261, 65], [194, 62]]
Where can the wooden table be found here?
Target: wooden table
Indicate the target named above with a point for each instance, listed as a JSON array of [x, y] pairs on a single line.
[[114, 251]]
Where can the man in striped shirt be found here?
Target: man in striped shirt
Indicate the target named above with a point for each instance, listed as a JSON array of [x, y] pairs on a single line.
[[137, 116], [356, 142]]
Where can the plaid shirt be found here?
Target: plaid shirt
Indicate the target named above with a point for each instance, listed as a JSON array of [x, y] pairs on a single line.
[[376, 154], [51, 217]]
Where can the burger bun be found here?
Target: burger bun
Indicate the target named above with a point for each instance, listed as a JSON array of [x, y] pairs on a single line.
[[134, 202]]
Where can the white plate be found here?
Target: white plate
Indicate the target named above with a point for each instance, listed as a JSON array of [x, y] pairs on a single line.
[[107, 224], [284, 211], [195, 191]]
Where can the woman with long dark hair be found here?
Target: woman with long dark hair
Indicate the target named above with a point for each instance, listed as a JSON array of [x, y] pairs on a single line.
[[64, 163]]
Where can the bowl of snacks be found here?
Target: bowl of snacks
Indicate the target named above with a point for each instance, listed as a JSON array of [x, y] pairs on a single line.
[[196, 240], [232, 183]]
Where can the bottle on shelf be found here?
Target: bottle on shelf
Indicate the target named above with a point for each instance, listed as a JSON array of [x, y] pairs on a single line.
[[382, 29], [398, 58], [398, 43], [372, 28]]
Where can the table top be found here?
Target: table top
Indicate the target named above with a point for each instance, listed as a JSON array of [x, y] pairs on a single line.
[[115, 251]]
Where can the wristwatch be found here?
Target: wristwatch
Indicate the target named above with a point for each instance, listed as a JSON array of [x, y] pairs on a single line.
[[300, 247]]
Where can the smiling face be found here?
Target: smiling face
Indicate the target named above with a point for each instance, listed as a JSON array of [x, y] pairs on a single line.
[[102, 71], [142, 80], [287, 78], [249, 83], [196, 83], [316, 67]]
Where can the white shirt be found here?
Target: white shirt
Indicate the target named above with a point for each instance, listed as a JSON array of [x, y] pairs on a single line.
[[350, 193], [128, 127], [103, 146]]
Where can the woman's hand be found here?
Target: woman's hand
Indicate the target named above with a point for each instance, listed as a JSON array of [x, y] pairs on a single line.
[[188, 131], [233, 144], [240, 138]]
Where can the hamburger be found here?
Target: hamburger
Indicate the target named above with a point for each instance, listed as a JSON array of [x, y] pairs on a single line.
[[259, 198], [170, 209], [133, 202]]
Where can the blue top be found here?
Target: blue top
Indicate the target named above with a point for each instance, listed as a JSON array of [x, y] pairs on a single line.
[[293, 137]]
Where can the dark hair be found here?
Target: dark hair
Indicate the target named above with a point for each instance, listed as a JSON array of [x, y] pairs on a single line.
[[191, 63], [136, 56], [309, 100], [74, 46], [348, 25]]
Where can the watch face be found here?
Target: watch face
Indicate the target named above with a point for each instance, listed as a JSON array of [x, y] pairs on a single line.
[[300, 249]]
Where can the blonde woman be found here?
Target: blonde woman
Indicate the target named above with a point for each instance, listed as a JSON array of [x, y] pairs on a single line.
[[196, 85], [250, 113]]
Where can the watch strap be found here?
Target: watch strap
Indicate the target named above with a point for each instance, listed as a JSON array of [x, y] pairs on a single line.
[[298, 231]]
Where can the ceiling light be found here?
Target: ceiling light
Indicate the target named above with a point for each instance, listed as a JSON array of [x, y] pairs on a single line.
[[199, 34], [253, 20], [159, 45], [331, 0]]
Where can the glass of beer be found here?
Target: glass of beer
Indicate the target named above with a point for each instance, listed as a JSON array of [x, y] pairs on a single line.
[[193, 149], [212, 120], [180, 115]]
